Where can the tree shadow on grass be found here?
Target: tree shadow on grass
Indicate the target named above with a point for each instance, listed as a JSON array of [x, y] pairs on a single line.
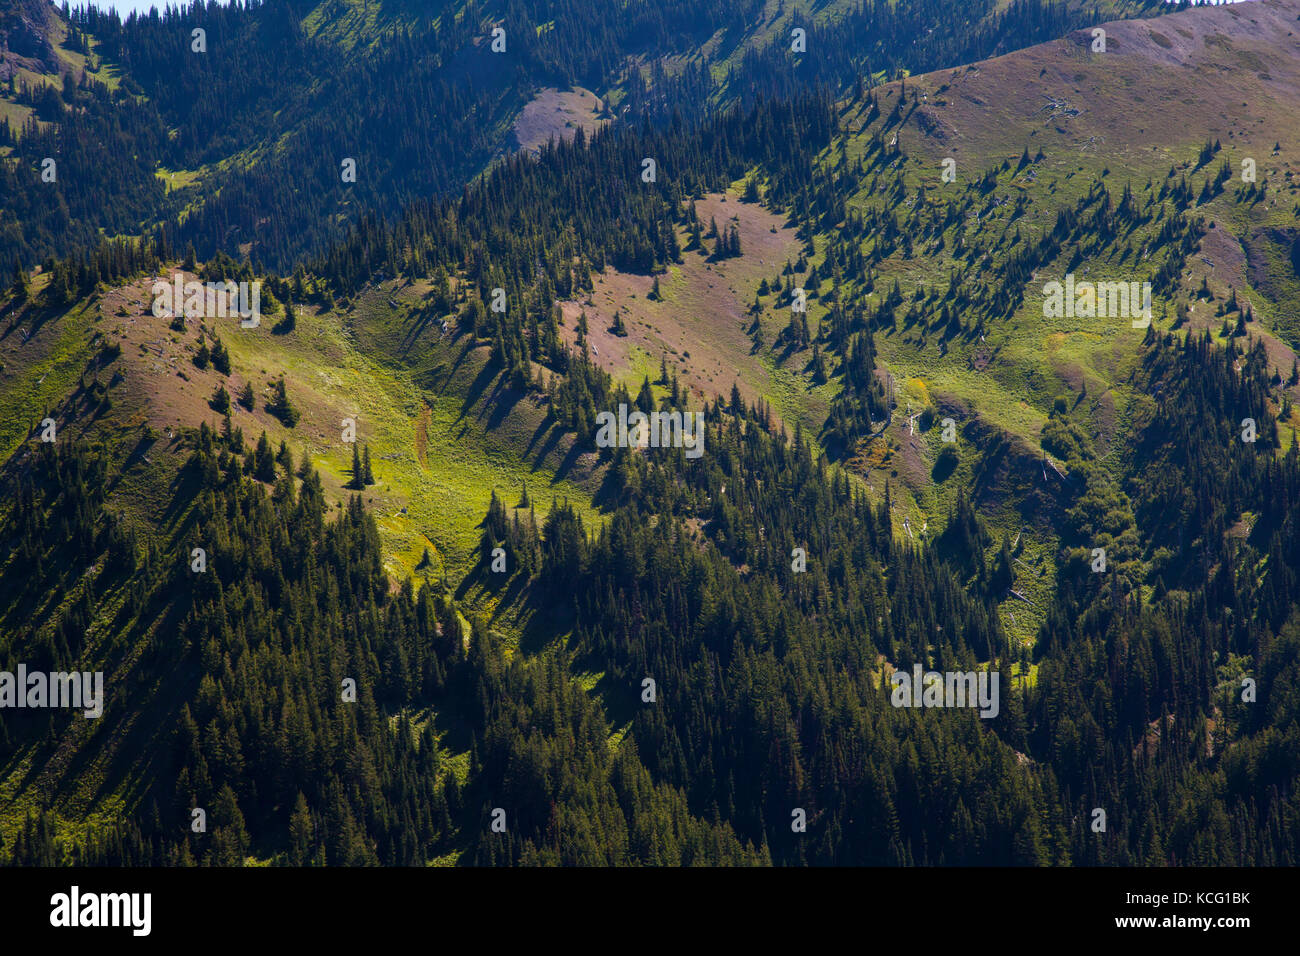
[[472, 395], [417, 322], [566, 466], [133, 458], [183, 488], [553, 437], [500, 404], [544, 622]]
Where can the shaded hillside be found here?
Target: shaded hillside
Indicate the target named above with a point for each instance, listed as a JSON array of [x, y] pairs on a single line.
[[224, 129]]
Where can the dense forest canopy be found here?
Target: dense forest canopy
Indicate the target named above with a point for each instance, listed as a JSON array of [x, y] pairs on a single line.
[[412, 93]]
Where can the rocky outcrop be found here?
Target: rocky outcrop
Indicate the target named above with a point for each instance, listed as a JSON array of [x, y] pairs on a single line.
[[25, 30]]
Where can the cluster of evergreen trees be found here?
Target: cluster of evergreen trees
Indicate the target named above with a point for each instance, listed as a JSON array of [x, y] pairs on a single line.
[[539, 228], [444, 103], [770, 689], [304, 704]]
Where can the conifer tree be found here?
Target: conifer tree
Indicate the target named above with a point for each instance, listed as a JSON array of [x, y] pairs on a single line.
[[21, 286], [358, 481], [264, 460], [220, 400], [280, 406], [220, 357]]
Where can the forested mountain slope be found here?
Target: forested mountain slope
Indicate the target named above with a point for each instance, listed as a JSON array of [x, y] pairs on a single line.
[[235, 138], [654, 657]]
